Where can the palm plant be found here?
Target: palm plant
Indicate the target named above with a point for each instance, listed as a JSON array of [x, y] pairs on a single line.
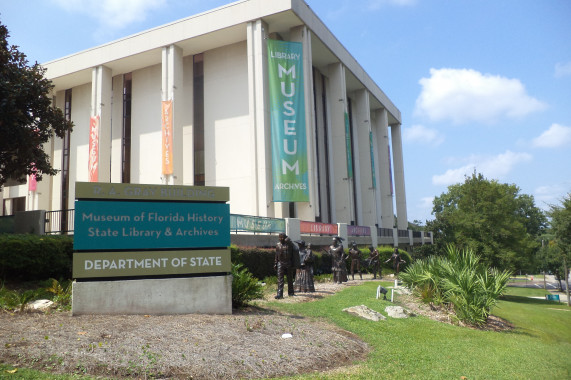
[[459, 279]]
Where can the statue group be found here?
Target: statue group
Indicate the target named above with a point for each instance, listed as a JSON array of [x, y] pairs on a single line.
[[296, 263], [338, 257], [293, 261]]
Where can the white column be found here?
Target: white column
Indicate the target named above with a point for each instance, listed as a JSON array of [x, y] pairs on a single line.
[[172, 89], [259, 118], [384, 180], [362, 148], [293, 228], [400, 192], [101, 98], [343, 197], [307, 210]]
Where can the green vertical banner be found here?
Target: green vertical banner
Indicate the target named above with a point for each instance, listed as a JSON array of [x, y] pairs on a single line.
[[373, 177], [348, 147], [287, 107]]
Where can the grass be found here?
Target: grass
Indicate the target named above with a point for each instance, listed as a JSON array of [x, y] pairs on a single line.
[[420, 348], [9, 372]]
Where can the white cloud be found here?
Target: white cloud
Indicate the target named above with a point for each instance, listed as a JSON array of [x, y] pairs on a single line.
[[557, 135], [494, 167], [422, 135], [465, 95], [551, 194], [562, 69], [112, 14], [378, 4]]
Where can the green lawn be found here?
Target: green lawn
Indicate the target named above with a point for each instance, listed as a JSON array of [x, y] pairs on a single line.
[[539, 347], [419, 348]]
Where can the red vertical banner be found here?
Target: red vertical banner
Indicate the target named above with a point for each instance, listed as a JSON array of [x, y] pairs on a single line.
[[32, 182], [167, 136], [93, 168]]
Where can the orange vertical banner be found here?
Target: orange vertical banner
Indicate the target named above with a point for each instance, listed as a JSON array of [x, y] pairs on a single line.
[[167, 136], [93, 167]]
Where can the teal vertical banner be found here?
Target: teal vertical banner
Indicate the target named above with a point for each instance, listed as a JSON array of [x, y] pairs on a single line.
[[371, 146], [348, 147], [287, 108]]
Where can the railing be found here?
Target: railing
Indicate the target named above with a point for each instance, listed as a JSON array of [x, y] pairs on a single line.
[[385, 232], [59, 222]]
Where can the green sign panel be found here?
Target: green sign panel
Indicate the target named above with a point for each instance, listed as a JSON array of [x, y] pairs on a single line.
[[102, 225], [256, 224], [126, 191], [136, 230], [150, 263]]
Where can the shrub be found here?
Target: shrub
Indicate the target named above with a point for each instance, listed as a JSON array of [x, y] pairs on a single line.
[[61, 292], [259, 261], [459, 279], [244, 286], [35, 257]]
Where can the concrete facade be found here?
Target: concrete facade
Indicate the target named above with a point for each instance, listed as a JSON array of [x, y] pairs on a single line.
[[231, 42], [195, 295]]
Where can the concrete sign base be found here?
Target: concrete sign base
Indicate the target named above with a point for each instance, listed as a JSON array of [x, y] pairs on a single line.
[[195, 295]]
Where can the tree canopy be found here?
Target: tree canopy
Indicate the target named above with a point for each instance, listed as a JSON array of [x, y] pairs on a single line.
[[27, 118], [561, 224], [492, 219], [559, 252]]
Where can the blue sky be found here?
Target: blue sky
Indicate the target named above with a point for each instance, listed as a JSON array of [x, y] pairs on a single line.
[[482, 85]]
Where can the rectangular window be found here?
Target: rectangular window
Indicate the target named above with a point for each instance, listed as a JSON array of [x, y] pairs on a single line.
[[126, 137], [321, 147], [198, 128], [326, 146], [11, 206], [350, 112]]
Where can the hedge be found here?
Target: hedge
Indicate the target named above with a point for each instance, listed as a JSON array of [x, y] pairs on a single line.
[[35, 257]]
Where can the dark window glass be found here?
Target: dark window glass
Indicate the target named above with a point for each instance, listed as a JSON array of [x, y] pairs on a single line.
[[350, 111], [65, 162], [198, 128], [126, 138]]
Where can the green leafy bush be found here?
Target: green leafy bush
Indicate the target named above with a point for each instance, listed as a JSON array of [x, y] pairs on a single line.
[[61, 292], [244, 286], [260, 261], [459, 279], [34, 257]]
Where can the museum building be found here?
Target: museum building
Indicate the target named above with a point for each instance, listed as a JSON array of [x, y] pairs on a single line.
[[257, 96]]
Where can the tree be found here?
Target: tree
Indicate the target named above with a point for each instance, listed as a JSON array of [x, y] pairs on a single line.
[[561, 228], [492, 219], [27, 118]]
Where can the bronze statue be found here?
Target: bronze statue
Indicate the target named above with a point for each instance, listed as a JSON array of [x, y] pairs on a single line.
[[396, 259], [304, 276], [374, 262], [339, 267], [355, 254], [284, 264]]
